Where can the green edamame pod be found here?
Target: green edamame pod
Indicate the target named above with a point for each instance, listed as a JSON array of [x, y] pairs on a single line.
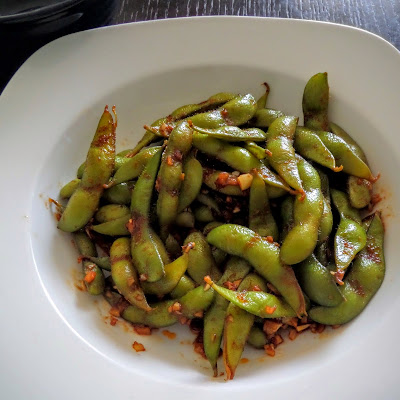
[[235, 112], [350, 237], [132, 168], [120, 159], [280, 144], [170, 174], [185, 219], [261, 219], [102, 262], [338, 131], [318, 283], [145, 254], [115, 227], [326, 223], [287, 209], [210, 226], [263, 118], [203, 214], [158, 317], [93, 275], [238, 324], [264, 256], [345, 155], [214, 319], [262, 304], [201, 260], [172, 246], [361, 283], [309, 145], [119, 194], [110, 212], [173, 274], [302, 238], [218, 255], [359, 191], [262, 101], [191, 185], [257, 151], [233, 133], [196, 302], [98, 168], [68, 189], [209, 202], [315, 102], [184, 286], [124, 274], [214, 101], [236, 157], [257, 338]]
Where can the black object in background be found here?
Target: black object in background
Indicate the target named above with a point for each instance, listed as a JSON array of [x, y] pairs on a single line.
[[27, 25]]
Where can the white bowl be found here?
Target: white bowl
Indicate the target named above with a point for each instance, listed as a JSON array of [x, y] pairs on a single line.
[[56, 339]]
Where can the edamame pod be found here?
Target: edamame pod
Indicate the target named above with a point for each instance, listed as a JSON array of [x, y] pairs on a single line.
[[280, 144], [257, 151], [173, 274], [359, 191], [261, 219], [110, 212], [326, 223], [196, 301], [201, 260], [315, 102], [98, 168], [361, 283], [345, 156], [115, 227], [184, 286], [350, 237], [191, 185], [262, 101], [169, 180], [302, 238], [233, 133], [145, 254], [212, 102], [318, 283], [263, 118], [132, 168], [262, 304], [309, 145], [68, 189], [124, 274], [264, 256], [236, 157], [119, 194], [93, 275], [158, 317], [287, 207], [238, 324], [257, 338], [236, 269], [235, 112], [203, 214]]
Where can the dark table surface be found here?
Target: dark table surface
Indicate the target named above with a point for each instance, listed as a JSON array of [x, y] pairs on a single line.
[[381, 17]]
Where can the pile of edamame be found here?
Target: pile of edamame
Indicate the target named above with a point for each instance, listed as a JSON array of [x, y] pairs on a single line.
[[231, 213]]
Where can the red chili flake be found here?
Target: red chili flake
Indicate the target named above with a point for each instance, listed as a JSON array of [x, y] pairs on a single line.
[[138, 346], [90, 276], [270, 310]]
